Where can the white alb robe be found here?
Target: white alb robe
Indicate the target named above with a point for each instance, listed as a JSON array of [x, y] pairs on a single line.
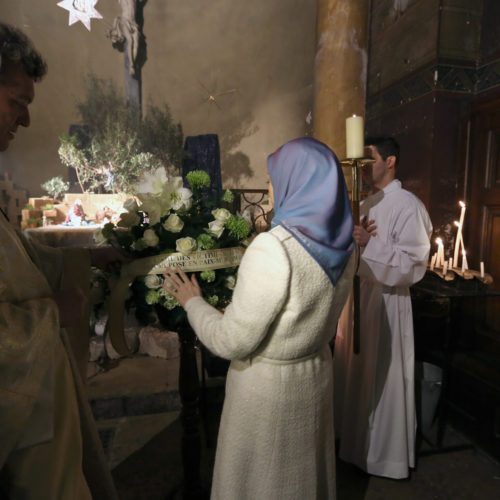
[[375, 416]]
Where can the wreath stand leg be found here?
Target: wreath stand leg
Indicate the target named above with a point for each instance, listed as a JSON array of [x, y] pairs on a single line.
[[189, 391]]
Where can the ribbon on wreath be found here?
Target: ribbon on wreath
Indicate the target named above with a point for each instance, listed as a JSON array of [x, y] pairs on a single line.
[[202, 260]]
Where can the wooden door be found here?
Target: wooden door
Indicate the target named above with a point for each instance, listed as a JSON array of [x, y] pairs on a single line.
[[483, 231]]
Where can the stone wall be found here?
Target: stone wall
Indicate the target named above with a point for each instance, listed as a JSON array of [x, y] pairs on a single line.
[[256, 58]]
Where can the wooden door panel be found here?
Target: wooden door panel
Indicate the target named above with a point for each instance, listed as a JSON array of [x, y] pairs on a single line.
[[483, 227], [490, 240], [492, 177]]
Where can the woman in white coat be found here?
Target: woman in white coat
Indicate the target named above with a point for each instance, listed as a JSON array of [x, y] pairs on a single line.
[[276, 438]]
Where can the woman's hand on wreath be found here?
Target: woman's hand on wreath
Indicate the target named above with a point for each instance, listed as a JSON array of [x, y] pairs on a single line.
[[182, 287]]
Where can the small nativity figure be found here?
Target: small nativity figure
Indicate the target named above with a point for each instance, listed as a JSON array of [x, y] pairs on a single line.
[[104, 215], [76, 215]]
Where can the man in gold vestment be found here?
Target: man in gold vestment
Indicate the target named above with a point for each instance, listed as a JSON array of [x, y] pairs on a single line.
[[49, 447]]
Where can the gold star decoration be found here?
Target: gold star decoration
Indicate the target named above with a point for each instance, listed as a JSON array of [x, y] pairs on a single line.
[[212, 97], [80, 10]]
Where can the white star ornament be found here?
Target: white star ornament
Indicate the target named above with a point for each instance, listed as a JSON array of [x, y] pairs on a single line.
[[80, 10]]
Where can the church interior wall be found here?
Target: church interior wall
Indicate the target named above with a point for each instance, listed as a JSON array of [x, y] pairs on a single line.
[[422, 90], [256, 58], [490, 35]]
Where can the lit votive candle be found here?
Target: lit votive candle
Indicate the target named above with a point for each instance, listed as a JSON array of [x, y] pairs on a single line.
[[459, 241], [440, 252]]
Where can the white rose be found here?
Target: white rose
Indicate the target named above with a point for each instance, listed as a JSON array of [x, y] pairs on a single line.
[[231, 282], [150, 238], [152, 281], [185, 245], [173, 224], [221, 214], [216, 228], [129, 219], [99, 237]]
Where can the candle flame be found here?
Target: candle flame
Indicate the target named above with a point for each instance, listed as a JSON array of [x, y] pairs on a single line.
[[463, 253], [439, 241], [456, 223], [462, 204]]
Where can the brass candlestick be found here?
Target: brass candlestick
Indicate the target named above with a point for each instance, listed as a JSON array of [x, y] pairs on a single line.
[[356, 164]]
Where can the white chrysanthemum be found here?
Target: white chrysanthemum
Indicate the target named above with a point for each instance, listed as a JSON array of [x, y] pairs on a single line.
[[174, 224], [150, 238], [152, 297], [221, 214], [152, 281], [216, 228], [186, 245], [213, 300], [171, 303]]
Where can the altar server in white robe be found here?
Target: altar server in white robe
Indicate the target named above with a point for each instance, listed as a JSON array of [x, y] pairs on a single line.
[[374, 390], [276, 438]]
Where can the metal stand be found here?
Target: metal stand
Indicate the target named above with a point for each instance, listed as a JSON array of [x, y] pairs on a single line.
[[356, 164]]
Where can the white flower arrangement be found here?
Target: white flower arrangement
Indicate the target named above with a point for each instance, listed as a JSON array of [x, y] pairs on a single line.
[[165, 217]]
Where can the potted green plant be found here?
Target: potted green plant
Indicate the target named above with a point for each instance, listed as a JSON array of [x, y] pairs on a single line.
[[118, 144], [56, 187]]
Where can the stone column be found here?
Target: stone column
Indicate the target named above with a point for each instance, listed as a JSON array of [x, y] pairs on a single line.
[[340, 68]]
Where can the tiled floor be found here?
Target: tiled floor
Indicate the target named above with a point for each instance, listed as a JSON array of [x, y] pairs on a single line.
[[137, 407]]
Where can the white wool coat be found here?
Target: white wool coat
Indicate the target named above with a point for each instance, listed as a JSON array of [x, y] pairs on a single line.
[[276, 437]]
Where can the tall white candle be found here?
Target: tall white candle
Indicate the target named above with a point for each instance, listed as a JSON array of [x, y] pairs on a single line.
[[440, 252], [450, 263], [481, 265], [354, 134], [445, 268], [458, 240], [464, 261], [433, 261]]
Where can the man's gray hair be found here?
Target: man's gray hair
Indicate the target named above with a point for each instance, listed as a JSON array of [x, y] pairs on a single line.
[[16, 47]]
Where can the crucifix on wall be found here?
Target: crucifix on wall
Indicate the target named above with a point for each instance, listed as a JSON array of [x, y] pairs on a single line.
[[127, 37]]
